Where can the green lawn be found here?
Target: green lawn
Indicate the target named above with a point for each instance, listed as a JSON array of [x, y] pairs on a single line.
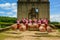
[[2, 37], [59, 30], [5, 24]]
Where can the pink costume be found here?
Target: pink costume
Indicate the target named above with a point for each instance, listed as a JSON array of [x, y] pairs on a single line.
[[26, 23], [45, 22], [18, 24], [42, 29], [23, 27], [30, 22], [42, 21], [39, 22], [35, 23], [49, 29], [23, 19]]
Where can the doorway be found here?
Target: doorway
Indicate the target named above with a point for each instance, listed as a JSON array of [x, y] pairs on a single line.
[[33, 13]]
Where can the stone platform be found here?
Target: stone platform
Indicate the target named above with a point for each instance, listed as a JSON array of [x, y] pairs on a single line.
[[25, 33]]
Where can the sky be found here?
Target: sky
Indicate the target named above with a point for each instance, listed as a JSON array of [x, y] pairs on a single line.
[[9, 8]]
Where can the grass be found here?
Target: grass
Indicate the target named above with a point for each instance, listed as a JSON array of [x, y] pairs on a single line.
[[2, 37], [59, 30], [5, 24]]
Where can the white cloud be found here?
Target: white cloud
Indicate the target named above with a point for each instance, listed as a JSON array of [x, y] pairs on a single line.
[[14, 4], [9, 6], [14, 15], [55, 17], [14, 7], [9, 13], [14, 10], [5, 6]]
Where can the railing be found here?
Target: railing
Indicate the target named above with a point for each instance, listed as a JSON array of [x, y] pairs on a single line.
[[5, 29]]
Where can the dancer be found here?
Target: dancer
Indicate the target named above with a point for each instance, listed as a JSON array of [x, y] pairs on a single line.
[[49, 29], [30, 23], [22, 26], [45, 21], [35, 22], [14, 27], [18, 23], [23, 20], [26, 23], [42, 28], [39, 22]]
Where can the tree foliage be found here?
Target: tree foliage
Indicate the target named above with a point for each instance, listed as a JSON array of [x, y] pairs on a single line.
[[8, 19], [54, 22]]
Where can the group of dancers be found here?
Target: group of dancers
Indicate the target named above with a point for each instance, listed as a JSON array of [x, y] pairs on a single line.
[[41, 24]]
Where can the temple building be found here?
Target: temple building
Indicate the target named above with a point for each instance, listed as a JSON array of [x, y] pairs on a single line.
[[33, 9]]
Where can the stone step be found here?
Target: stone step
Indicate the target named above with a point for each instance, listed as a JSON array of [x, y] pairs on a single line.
[[26, 33], [13, 32], [42, 34], [33, 29]]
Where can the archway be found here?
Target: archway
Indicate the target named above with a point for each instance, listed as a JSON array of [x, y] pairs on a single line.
[[33, 13]]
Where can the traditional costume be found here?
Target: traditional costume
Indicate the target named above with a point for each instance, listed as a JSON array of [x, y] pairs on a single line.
[[45, 21], [23, 20], [14, 27], [18, 24], [49, 29], [35, 23], [39, 22], [26, 23], [23, 27], [42, 28], [30, 23]]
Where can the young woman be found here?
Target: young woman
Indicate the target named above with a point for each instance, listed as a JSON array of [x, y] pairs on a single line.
[[39, 23], [35, 23], [42, 21], [45, 22], [30, 23], [18, 24], [22, 26], [42, 28], [49, 29], [26, 23], [14, 27], [23, 20]]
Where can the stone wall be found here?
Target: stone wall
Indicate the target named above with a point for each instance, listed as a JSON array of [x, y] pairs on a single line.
[[24, 9]]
